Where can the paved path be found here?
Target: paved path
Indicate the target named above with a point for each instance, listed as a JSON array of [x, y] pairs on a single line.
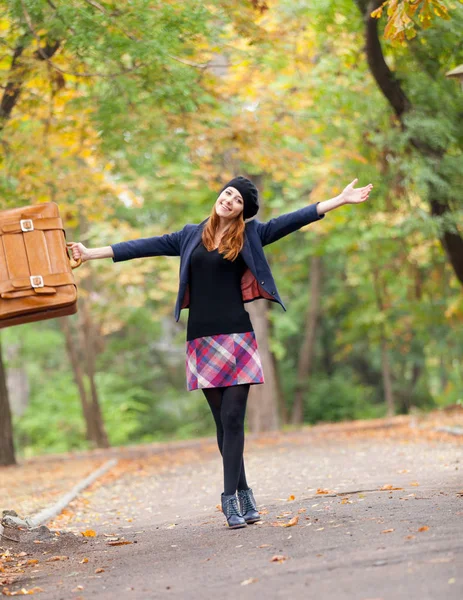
[[353, 540]]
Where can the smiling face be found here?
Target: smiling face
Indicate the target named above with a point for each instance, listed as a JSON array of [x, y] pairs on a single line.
[[229, 204]]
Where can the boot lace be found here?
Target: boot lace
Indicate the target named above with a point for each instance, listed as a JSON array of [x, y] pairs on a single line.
[[247, 501], [231, 507]]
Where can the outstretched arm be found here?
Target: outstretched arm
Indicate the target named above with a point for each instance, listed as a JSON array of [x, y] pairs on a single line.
[[276, 228], [160, 245]]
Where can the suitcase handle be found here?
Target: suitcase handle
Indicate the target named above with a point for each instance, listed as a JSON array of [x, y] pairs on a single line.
[[74, 263]]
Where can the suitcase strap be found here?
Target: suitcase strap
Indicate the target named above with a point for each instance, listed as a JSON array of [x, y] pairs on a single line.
[[35, 284], [25, 225]]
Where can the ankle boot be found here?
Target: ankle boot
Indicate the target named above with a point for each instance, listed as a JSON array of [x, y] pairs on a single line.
[[232, 512], [248, 506]]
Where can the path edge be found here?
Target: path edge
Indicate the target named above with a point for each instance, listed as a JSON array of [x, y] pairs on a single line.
[[51, 512]]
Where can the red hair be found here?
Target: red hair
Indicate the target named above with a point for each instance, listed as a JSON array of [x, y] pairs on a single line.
[[232, 240]]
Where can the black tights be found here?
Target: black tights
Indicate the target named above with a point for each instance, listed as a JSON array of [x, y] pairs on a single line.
[[228, 406]]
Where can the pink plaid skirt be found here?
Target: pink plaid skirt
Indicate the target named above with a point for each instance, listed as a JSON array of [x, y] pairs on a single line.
[[223, 360]]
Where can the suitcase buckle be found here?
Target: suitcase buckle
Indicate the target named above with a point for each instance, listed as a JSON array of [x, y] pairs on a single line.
[[36, 281], [26, 225]]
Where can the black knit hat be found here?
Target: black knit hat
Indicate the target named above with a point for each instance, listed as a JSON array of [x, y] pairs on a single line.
[[249, 192]]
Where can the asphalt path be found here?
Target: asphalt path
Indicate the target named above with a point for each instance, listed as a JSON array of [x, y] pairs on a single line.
[[354, 517]]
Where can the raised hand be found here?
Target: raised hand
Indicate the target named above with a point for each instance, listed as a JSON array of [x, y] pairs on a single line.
[[350, 195]]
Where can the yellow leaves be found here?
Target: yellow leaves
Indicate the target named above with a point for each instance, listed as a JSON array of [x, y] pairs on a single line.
[[249, 581], [56, 558], [100, 570], [84, 561], [291, 523], [291, 498], [22, 591], [424, 528], [403, 15], [388, 486], [88, 533], [387, 530]]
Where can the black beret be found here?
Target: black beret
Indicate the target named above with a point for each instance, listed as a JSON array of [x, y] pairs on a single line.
[[249, 193]]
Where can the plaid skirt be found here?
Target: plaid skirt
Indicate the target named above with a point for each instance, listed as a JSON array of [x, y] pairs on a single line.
[[223, 360]]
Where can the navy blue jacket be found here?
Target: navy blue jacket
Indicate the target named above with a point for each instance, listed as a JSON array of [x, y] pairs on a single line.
[[257, 281]]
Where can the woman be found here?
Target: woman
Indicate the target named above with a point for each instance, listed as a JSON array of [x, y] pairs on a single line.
[[222, 266]]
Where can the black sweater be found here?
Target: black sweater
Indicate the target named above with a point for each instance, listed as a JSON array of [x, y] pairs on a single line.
[[216, 303]]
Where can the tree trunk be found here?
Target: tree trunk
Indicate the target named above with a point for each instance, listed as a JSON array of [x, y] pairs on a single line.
[[101, 438], [385, 364], [263, 401], [389, 84], [79, 379], [307, 350], [7, 456], [387, 380]]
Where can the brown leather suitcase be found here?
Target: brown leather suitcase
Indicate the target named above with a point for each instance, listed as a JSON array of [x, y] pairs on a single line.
[[36, 280]]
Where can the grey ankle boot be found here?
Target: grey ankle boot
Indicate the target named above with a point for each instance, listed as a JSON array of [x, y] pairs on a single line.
[[248, 506], [232, 512]]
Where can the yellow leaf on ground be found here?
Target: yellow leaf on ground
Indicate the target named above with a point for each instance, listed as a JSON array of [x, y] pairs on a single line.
[[56, 558], [88, 533], [290, 523], [424, 528], [388, 486], [84, 560], [248, 581], [291, 498], [100, 570], [387, 531]]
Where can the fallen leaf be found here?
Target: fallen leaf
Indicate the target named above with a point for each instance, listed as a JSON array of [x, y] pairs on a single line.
[[84, 560], [320, 491], [387, 531], [100, 570], [279, 558], [121, 543], [320, 529], [56, 558], [32, 561], [88, 533], [424, 528], [415, 483], [248, 581], [301, 510], [388, 486], [22, 592], [79, 588], [264, 546], [264, 511], [291, 498], [290, 523]]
